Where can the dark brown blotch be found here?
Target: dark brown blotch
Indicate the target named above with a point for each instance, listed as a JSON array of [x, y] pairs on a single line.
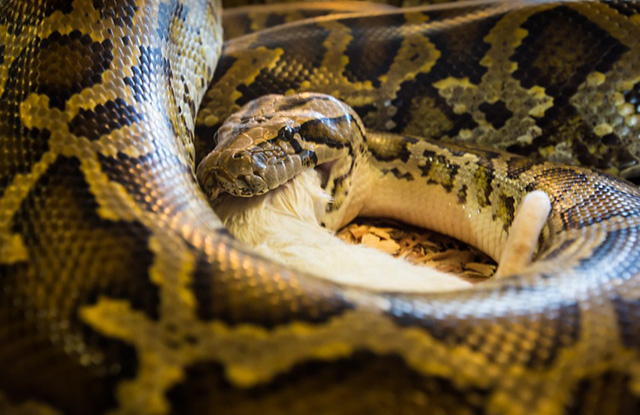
[[506, 210], [497, 114], [561, 49], [66, 64], [103, 119]]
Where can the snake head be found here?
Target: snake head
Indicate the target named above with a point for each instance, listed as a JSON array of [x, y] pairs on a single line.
[[274, 138], [230, 171]]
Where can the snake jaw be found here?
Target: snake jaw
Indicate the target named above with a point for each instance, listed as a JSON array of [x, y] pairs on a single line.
[[211, 186], [254, 185], [216, 180]]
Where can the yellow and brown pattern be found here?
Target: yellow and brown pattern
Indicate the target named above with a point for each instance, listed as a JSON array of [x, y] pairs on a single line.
[[484, 73], [122, 293]]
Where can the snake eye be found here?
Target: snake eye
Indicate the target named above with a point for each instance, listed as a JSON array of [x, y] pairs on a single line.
[[286, 132]]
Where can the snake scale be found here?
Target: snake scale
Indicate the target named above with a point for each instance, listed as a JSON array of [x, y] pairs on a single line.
[[122, 293]]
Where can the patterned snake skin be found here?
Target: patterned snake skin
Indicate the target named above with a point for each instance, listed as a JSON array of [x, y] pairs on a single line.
[[123, 294]]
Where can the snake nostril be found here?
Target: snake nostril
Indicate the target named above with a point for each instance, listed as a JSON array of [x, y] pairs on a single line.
[[237, 156]]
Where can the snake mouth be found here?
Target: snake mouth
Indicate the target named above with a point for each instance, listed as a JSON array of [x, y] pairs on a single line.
[[324, 171], [218, 180], [250, 185]]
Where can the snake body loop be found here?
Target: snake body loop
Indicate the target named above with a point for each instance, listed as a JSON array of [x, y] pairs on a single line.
[[118, 278]]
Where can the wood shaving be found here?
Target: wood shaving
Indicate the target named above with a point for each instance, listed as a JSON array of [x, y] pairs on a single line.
[[421, 247], [370, 240]]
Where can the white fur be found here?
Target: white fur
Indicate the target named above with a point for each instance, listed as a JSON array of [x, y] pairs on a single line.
[[283, 225]]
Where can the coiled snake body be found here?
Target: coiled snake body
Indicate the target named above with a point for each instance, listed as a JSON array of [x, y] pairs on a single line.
[[122, 293]]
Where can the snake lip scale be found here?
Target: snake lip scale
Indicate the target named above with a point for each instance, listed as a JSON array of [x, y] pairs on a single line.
[[117, 276]]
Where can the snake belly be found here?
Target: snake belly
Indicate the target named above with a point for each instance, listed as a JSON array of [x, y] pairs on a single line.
[[123, 294]]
